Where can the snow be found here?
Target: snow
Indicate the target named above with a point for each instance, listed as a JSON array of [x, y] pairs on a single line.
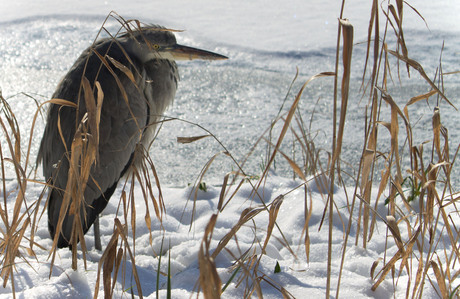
[[236, 100], [182, 242]]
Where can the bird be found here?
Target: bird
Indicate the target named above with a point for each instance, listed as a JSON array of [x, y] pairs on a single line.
[[137, 76]]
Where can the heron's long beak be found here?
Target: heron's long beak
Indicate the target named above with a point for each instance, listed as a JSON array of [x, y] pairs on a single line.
[[179, 52]]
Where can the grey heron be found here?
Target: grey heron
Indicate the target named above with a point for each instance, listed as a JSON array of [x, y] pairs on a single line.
[[132, 105]]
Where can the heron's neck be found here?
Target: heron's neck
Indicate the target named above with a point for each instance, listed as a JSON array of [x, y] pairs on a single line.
[[150, 55]]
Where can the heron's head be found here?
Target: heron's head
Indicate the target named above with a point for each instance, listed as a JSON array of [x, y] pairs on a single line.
[[155, 42]]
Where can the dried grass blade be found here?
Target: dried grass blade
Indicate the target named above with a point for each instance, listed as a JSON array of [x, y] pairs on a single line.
[[199, 181], [374, 19], [70, 195], [347, 30], [120, 86], [288, 122], [97, 121], [112, 243], [366, 212], [392, 225], [408, 251], [117, 267], [109, 264], [417, 12], [209, 278], [368, 158], [308, 214], [160, 205], [293, 165], [421, 97], [418, 277], [222, 192], [417, 66], [94, 116], [436, 122], [440, 279], [131, 256], [366, 181], [386, 269], [431, 193], [398, 18], [123, 68], [185, 140], [61, 102], [272, 215], [374, 266], [245, 216]]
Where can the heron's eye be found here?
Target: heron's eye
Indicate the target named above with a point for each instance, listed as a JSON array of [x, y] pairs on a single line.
[[156, 47]]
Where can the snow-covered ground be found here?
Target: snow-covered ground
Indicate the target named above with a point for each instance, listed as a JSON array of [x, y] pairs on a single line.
[[236, 100], [300, 278]]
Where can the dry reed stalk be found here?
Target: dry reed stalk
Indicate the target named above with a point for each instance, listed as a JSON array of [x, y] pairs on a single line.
[[249, 213], [18, 219], [428, 191], [287, 123], [109, 262], [272, 215], [405, 250], [210, 281], [199, 182], [184, 140], [296, 168], [308, 213], [418, 67], [84, 149], [440, 279], [141, 174], [347, 29], [245, 216]]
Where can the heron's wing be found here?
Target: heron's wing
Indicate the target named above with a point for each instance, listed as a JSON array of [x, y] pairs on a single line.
[[123, 118]]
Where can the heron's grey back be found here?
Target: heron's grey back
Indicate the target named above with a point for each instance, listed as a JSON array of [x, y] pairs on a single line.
[[126, 121]]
